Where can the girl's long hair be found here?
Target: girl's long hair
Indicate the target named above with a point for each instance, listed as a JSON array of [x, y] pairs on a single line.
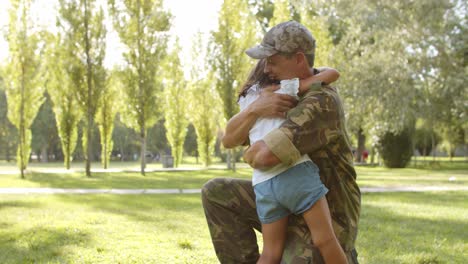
[[256, 76]]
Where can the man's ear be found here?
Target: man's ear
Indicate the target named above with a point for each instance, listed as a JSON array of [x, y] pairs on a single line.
[[301, 59]]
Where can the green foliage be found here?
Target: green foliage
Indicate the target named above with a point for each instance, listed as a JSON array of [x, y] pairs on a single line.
[[374, 78], [263, 10], [423, 140], [236, 32], [452, 136], [60, 87], [7, 130], [205, 114], [125, 140], [142, 28], [23, 90], [205, 106], [82, 24], [281, 13], [190, 144], [105, 117], [319, 27], [396, 149], [44, 131], [175, 103], [400, 61], [157, 141]]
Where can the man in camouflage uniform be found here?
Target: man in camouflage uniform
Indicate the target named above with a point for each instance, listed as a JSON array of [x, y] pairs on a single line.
[[316, 126]]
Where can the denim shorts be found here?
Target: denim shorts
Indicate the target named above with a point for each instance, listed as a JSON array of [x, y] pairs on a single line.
[[293, 191]]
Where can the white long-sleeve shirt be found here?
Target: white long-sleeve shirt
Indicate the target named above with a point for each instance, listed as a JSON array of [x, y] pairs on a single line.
[[265, 125]]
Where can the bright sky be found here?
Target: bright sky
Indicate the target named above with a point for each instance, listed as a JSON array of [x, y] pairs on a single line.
[[190, 16]]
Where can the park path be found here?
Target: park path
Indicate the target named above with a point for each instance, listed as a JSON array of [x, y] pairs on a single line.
[[192, 191]]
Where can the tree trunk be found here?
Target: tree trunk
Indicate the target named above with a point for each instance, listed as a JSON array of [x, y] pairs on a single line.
[[465, 147], [361, 145], [88, 153], [228, 159], [433, 146], [105, 155], [44, 154], [122, 152], [67, 155], [89, 114], [22, 131], [67, 161], [234, 156], [143, 151], [7, 152], [415, 160], [21, 155], [140, 96]]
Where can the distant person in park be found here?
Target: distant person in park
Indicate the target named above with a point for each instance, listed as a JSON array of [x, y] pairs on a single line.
[[365, 155], [314, 127]]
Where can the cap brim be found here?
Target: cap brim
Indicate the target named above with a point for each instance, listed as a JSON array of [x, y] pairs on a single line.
[[261, 52]]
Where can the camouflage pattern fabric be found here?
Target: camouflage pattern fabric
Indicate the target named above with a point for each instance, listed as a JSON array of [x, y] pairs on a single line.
[[316, 127], [229, 206], [286, 37]]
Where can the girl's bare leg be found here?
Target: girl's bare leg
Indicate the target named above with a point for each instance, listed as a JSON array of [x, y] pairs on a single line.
[[274, 237], [320, 225]]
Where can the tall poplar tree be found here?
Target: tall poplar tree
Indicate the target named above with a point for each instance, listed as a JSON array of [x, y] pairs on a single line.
[[205, 106], [107, 110], [237, 31], [82, 23], [59, 85], [175, 103], [142, 27], [24, 93]]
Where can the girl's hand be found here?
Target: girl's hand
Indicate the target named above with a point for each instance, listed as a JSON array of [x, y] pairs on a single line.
[[271, 104]]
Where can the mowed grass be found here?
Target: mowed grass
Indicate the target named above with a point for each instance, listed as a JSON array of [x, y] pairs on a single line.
[[394, 228], [385, 177], [421, 228], [447, 174], [103, 229], [124, 180]]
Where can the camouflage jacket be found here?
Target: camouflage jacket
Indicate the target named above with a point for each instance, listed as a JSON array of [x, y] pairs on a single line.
[[316, 126]]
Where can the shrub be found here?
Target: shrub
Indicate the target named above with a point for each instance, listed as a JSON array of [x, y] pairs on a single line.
[[396, 149]]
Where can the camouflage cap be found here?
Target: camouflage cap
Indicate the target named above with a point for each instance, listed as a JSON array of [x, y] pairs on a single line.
[[287, 37]]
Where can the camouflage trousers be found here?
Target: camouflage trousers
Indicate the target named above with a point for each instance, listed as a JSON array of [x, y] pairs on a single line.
[[231, 214]]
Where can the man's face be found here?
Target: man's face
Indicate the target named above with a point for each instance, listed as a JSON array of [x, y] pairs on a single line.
[[281, 67]]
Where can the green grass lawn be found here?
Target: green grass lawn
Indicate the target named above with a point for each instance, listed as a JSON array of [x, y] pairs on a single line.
[[408, 228], [187, 161], [367, 177], [394, 228]]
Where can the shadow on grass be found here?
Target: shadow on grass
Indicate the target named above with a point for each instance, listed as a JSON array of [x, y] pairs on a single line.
[[146, 208], [429, 164], [412, 237], [39, 245], [129, 180], [25, 204]]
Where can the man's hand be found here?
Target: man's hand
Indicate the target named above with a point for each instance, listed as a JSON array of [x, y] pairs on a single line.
[[271, 104], [259, 156]]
